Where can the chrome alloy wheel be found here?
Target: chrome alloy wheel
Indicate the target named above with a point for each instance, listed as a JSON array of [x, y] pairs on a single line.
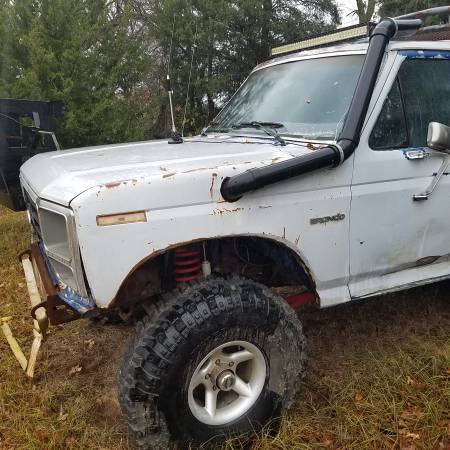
[[227, 383]]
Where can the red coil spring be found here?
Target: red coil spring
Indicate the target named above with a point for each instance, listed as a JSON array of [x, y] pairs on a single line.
[[188, 264]]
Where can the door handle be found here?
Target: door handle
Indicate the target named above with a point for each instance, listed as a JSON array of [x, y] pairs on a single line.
[[416, 154], [445, 162]]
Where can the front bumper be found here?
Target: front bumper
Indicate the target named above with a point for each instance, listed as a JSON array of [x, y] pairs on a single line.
[[43, 292], [46, 306]]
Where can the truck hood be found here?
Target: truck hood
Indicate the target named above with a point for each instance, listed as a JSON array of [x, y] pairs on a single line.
[[61, 176]]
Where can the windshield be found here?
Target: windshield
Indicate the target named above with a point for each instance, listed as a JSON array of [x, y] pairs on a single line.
[[309, 98]]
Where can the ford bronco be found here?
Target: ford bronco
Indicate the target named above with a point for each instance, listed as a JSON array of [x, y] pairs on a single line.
[[326, 173]]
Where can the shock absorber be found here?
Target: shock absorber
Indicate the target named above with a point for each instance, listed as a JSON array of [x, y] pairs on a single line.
[[188, 264]]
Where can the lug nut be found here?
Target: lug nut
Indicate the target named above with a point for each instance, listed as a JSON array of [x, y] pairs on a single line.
[[218, 362], [206, 376], [231, 363], [214, 388]]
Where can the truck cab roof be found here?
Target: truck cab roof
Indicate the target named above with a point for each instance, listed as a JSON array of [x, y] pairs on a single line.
[[435, 37]]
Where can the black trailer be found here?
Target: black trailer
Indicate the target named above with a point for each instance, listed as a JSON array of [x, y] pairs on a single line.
[[26, 128]]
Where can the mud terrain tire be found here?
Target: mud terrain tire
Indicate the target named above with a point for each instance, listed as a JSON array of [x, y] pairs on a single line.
[[182, 329]]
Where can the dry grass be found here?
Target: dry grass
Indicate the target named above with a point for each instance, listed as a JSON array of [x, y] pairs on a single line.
[[378, 376]]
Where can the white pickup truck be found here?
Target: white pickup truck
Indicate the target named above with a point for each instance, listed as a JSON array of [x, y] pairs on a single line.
[[328, 170]]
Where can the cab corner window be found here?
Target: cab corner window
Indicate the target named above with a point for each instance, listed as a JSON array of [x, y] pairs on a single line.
[[419, 96]]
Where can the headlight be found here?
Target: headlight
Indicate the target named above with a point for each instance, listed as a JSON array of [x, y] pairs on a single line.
[[55, 236], [61, 247], [54, 226]]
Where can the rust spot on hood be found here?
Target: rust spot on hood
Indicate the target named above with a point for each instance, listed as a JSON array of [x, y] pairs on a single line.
[[112, 184], [167, 175], [311, 146]]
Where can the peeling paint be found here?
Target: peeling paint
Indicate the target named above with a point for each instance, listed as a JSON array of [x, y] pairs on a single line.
[[112, 185], [264, 206], [220, 211], [213, 179], [427, 260], [171, 174], [311, 146]]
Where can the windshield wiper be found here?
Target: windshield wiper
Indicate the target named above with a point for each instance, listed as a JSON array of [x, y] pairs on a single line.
[[268, 128]]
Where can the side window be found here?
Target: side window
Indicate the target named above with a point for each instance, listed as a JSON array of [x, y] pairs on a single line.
[[390, 130], [419, 96], [425, 85]]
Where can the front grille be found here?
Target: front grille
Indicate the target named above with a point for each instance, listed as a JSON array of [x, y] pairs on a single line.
[[34, 217]]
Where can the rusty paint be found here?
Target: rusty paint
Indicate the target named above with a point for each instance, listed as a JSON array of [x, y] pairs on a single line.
[[112, 185], [284, 232], [426, 260], [233, 210], [57, 311], [167, 175], [264, 206], [297, 239], [213, 179], [311, 146], [224, 210]]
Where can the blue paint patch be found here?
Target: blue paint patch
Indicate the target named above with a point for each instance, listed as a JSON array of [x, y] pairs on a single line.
[[68, 295], [425, 54], [75, 300]]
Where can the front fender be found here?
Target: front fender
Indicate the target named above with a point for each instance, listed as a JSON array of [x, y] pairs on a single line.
[[187, 207]]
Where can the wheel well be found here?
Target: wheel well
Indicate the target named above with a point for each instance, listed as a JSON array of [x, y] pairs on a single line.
[[260, 259]]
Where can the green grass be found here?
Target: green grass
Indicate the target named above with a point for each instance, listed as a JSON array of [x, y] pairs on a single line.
[[378, 374]]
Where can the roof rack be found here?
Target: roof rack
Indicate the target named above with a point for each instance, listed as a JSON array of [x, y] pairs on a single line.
[[441, 11], [363, 30]]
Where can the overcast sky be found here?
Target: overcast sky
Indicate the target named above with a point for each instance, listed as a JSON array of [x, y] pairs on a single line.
[[346, 7]]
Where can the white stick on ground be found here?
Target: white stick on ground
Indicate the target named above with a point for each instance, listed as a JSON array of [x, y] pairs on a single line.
[[15, 347]]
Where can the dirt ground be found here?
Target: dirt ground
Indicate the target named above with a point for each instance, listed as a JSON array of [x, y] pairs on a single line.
[[378, 374]]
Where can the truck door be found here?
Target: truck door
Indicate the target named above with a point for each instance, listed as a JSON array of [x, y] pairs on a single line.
[[398, 236]]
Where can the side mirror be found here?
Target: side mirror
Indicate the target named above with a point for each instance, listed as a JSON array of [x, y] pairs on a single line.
[[438, 137]]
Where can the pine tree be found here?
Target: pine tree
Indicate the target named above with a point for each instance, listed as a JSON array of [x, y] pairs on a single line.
[[83, 53], [107, 60]]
